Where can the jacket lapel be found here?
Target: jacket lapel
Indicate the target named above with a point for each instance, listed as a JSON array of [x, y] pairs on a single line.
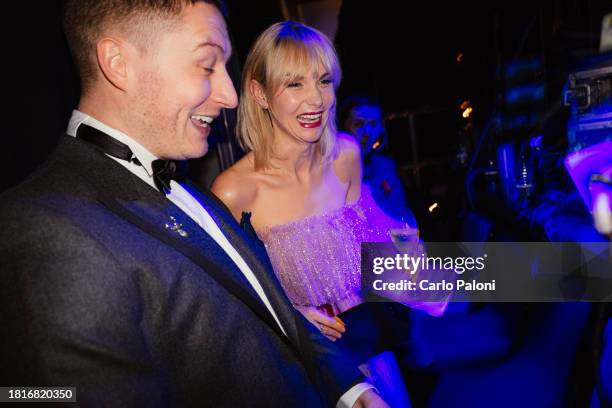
[[254, 255], [130, 198]]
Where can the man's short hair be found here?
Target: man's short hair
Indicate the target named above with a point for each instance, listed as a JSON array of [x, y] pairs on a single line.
[[86, 21]]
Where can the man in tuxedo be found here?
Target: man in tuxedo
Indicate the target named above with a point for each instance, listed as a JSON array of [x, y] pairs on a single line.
[[136, 288]]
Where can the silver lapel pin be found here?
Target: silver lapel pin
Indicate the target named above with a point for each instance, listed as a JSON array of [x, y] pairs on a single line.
[[176, 227]]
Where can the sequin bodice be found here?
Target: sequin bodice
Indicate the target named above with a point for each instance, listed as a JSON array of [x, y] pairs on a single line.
[[317, 258]]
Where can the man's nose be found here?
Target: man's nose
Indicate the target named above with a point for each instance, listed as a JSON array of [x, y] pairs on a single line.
[[226, 93]]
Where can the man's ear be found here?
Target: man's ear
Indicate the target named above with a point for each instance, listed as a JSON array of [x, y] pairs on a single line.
[[112, 60], [258, 93]]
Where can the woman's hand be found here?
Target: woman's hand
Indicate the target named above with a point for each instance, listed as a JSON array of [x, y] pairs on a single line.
[[330, 327]]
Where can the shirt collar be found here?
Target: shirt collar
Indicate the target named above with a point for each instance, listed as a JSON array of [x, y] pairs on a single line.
[[140, 152]]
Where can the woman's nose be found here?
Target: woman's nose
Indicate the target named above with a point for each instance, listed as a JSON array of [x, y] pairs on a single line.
[[314, 96]]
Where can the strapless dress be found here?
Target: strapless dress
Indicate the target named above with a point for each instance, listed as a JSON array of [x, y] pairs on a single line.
[[317, 258]]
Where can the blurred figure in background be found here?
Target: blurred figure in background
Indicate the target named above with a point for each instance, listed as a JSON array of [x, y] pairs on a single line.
[[362, 118]]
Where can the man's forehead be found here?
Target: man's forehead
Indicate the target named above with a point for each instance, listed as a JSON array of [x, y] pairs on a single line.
[[208, 28]]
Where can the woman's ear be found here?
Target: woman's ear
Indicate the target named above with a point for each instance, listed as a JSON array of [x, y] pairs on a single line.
[[258, 93]]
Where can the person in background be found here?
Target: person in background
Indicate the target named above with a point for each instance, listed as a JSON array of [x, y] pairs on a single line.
[[362, 118]]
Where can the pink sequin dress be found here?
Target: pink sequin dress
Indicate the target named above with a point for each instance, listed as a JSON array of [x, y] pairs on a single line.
[[317, 258]]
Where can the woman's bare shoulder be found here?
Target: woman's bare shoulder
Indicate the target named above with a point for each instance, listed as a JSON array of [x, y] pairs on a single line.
[[348, 158], [348, 146], [236, 186]]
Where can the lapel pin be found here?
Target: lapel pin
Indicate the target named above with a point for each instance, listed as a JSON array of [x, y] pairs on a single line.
[[176, 227]]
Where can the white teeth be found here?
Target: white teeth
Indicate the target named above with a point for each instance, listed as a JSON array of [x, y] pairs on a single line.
[[310, 118], [202, 120]]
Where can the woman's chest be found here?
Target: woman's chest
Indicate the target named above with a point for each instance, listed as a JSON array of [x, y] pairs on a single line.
[[282, 201]]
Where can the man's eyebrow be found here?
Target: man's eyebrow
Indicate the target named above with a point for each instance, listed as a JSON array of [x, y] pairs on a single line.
[[226, 52], [207, 44]]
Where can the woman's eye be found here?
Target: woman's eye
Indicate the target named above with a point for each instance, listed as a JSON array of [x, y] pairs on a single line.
[[293, 85], [208, 70], [326, 81]]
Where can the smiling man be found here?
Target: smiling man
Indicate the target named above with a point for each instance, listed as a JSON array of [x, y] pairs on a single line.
[[134, 287]]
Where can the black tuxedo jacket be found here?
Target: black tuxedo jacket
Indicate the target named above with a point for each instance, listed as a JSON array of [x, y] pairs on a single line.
[[97, 292]]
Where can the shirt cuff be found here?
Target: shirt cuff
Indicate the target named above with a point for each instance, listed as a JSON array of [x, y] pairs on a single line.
[[347, 400]]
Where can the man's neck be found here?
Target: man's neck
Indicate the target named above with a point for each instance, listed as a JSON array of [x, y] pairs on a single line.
[[109, 117]]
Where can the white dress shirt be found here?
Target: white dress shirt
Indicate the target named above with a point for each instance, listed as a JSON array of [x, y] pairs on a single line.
[[180, 197]]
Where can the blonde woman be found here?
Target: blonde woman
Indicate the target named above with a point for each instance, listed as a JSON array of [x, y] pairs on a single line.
[[301, 182]]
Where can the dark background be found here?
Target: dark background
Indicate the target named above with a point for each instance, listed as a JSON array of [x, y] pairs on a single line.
[[403, 54]]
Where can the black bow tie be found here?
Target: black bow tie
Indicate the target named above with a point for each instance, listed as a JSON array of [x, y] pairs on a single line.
[[166, 170], [163, 170]]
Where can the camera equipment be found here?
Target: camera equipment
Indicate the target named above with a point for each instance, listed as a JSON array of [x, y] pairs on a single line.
[[589, 95]]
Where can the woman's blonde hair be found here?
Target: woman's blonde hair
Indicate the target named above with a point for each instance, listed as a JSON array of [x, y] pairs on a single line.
[[281, 54]]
